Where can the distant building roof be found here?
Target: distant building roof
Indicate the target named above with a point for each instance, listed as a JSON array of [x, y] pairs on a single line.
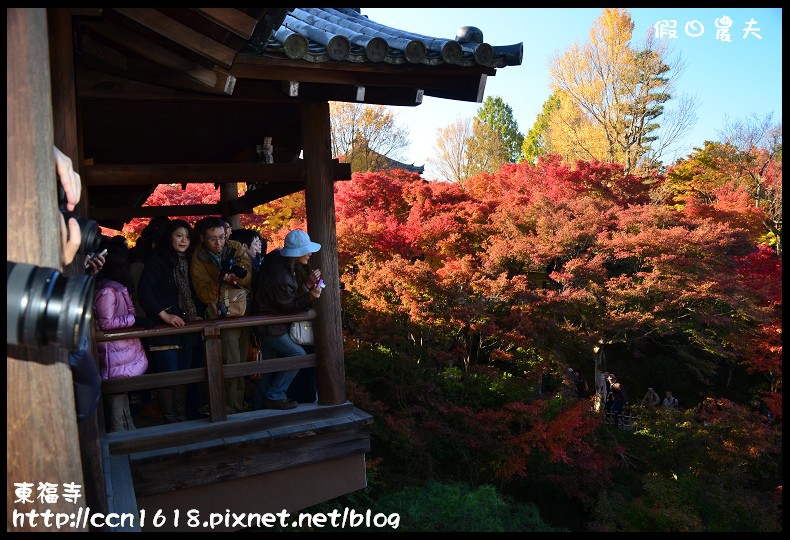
[[394, 164], [389, 163]]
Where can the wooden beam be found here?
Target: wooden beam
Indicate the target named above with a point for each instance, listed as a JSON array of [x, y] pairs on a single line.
[[165, 173], [271, 191], [97, 82], [231, 19], [262, 195], [125, 213], [99, 85], [100, 57], [182, 35], [362, 74], [147, 49], [220, 173]]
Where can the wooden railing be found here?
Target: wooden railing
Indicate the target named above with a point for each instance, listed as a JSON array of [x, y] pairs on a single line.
[[626, 421], [215, 371]]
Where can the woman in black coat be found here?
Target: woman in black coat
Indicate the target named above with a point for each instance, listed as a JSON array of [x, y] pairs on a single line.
[[166, 294]]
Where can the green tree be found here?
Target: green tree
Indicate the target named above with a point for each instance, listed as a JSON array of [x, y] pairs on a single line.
[[466, 148], [497, 116], [534, 144]]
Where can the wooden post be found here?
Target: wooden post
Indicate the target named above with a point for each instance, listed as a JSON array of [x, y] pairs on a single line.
[[41, 425], [320, 205], [64, 123], [227, 193], [215, 373]]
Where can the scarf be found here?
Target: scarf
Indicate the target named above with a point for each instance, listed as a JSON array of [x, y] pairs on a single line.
[[185, 300]]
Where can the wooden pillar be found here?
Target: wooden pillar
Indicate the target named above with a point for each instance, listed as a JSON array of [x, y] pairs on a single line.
[[41, 426], [229, 192], [65, 134], [320, 206], [215, 373]]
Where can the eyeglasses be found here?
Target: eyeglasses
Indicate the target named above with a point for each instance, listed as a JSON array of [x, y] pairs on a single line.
[[216, 239]]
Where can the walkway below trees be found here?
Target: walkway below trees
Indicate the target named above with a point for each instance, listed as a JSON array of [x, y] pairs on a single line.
[[626, 421]]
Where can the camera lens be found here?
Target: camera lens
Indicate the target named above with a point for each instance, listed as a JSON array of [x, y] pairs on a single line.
[[89, 232], [47, 308], [89, 229], [230, 267]]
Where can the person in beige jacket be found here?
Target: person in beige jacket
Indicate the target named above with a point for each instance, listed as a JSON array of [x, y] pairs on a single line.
[[219, 263], [651, 400]]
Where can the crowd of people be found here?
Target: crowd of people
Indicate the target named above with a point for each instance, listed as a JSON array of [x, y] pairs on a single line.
[[176, 274], [615, 397]]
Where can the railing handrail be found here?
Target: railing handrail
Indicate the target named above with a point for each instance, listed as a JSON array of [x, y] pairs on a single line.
[[215, 371], [198, 326]]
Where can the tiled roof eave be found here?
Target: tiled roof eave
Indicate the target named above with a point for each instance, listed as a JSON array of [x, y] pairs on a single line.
[[343, 34]]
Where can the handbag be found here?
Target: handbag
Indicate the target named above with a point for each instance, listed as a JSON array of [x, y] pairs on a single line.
[[232, 302], [302, 332]]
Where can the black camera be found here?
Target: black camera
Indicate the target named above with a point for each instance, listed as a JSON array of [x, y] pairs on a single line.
[[89, 229], [230, 267], [47, 308]]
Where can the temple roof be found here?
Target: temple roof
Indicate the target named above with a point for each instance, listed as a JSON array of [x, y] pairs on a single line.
[[344, 34], [175, 95], [211, 50]]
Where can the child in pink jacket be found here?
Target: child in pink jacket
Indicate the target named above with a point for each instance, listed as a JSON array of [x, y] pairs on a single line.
[[114, 309]]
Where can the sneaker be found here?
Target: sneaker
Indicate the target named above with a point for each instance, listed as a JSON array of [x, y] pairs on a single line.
[[281, 404]]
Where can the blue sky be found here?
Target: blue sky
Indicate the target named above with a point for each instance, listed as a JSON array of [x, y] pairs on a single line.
[[731, 81]]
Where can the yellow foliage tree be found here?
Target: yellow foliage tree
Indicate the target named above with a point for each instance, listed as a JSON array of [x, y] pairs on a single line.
[[364, 135], [616, 94], [452, 143]]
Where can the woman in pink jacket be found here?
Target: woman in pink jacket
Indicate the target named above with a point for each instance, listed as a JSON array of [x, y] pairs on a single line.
[[113, 309]]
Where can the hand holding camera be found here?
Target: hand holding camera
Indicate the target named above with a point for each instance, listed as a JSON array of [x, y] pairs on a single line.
[[231, 272], [315, 292], [69, 180], [313, 279], [82, 234]]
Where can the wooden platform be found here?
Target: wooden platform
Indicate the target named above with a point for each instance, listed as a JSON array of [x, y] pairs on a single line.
[[255, 462]]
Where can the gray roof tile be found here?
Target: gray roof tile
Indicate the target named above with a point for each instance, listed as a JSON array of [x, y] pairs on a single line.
[[345, 35]]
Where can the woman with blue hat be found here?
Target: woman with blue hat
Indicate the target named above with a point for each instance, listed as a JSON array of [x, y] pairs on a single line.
[[285, 284]]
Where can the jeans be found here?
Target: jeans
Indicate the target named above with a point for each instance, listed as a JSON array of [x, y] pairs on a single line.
[[171, 360], [304, 387], [187, 357], [120, 416], [274, 385]]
